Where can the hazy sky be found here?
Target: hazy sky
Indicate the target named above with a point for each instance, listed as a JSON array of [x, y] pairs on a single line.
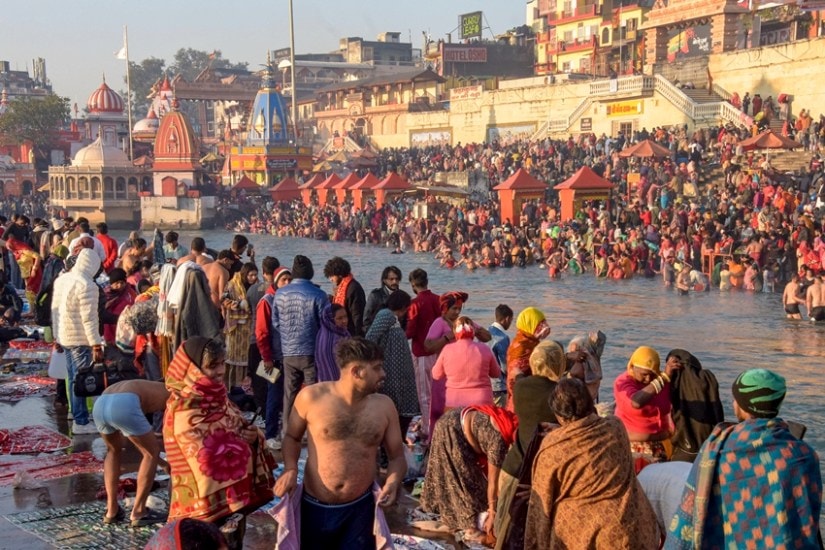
[[78, 38]]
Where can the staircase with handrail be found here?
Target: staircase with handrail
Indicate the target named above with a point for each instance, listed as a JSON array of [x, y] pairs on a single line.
[[699, 105]]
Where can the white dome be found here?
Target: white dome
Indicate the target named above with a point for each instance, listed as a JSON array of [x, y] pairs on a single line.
[[149, 124], [97, 155]]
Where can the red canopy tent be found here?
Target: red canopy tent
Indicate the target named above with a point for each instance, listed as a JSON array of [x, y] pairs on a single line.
[[583, 185], [286, 190], [308, 186], [345, 184], [392, 183], [645, 149], [365, 185], [323, 188], [514, 190], [245, 184]]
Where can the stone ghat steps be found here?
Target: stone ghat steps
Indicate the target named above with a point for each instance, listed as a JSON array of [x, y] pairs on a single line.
[[702, 95], [786, 161]]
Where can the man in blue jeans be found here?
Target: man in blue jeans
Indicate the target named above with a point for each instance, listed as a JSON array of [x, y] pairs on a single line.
[[296, 318], [76, 327]]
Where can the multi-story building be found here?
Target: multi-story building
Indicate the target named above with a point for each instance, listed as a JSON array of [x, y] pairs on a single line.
[[594, 37]]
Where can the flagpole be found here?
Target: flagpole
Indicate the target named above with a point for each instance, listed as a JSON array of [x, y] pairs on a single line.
[[294, 110], [128, 89]]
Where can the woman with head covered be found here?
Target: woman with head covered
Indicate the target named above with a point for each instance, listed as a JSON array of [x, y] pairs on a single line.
[[584, 491], [532, 328], [217, 459], [642, 397]]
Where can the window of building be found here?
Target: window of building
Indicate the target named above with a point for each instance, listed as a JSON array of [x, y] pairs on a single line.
[[568, 36], [632, 24], [565, 67]]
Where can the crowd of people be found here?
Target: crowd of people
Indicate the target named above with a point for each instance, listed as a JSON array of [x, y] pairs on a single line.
[[520, 454], [744, 226]]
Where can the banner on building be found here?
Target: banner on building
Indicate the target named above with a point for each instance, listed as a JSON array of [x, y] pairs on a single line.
[[431, 138], [510, 133], [689, 41], [625, 108], [470, 25], [466, 92], [465, 54]]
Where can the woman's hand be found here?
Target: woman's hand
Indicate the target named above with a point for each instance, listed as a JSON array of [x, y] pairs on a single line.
[[250, 434], [489, 523], [673, 364]]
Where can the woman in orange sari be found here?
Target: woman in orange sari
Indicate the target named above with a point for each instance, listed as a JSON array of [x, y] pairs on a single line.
[[532, 328]]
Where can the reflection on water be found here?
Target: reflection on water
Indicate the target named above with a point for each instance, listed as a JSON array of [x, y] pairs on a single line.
[[728, 332]]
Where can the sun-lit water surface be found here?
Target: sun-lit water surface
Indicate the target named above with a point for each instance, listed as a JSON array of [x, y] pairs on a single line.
[[728, 332]]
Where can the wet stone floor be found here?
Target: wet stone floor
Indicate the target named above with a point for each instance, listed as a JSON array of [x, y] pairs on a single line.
[[66, 513]]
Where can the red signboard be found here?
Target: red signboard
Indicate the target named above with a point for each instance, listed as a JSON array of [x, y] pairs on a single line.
[[465, 54]]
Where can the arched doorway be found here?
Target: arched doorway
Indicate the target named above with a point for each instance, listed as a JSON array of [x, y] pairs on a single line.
[[28, 187]]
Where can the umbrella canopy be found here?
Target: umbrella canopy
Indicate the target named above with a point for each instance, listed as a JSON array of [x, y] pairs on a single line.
[[338, 157], [362, 162], [769, 140], [585, 178], [246, 184], [645, 149], [210, 157], [521, 181], [322, 166], [393, 182]]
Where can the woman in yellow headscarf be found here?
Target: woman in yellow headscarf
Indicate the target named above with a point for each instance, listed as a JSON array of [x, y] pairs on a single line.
[[532, 328], [643, 405]]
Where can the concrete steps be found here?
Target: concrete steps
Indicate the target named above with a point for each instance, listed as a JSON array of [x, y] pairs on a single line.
[[702, 95]]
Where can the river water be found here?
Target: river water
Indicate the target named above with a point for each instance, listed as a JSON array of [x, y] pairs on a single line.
[[728, 331]]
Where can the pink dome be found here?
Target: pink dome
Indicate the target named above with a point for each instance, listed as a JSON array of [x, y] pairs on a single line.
[[104, 100]]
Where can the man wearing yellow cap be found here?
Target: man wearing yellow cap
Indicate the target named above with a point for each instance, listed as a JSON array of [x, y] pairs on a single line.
[[754, 485]]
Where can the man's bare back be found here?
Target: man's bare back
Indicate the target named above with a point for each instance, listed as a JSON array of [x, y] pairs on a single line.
[[343, 441], [199, 259], [218, 276]]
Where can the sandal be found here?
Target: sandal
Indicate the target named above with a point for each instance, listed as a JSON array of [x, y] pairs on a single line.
[[150, 518], [117, 518]]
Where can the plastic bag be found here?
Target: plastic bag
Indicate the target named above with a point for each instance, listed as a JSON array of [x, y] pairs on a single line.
[[57, 365]]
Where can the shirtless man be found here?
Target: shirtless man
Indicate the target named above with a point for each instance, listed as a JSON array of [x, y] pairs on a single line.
[[347, 420], [815, 300], [218, 274], [790, 298], [121, 412], [197, 253]]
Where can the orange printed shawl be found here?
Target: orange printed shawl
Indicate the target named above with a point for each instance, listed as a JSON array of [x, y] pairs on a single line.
[[215, 472], [341, 291]]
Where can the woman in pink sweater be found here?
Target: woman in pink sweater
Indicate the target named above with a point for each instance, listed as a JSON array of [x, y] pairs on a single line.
[[467, 366]]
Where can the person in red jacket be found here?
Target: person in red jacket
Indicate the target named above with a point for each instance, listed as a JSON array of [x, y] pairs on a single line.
[[269, 346], [109, 246], [424, 309]]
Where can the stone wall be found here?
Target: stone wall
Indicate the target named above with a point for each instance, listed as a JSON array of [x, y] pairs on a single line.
[[794, 68]]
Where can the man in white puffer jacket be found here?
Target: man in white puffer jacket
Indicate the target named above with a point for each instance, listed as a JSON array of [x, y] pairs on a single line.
[[76, 326]]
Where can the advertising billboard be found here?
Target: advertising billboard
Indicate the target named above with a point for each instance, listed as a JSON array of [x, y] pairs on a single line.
[[688, 41], [470, 25]]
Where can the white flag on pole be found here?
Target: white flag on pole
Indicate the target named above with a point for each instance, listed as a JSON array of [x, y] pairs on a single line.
[[121, 53]]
